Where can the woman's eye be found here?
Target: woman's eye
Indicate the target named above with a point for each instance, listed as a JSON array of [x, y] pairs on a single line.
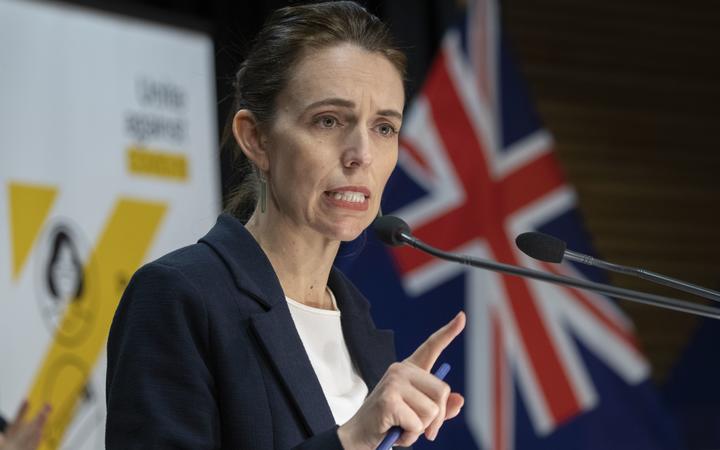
[[387, 130], [327, 121]]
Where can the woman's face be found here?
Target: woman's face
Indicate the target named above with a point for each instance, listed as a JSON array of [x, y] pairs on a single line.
[[334, 140], [64, 273]]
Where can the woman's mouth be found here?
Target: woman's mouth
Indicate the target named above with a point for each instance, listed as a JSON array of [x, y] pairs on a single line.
[[356, 199]]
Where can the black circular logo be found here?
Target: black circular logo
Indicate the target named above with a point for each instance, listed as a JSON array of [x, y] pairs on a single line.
[[66, 282]]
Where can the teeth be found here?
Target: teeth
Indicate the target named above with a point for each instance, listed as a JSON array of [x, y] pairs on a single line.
[[352, 197]]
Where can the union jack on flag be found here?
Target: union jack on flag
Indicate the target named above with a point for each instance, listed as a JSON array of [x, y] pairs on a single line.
[[542, 366]]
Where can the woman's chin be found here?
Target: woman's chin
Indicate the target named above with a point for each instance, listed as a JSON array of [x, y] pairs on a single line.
[[345, 231], [348, 235]]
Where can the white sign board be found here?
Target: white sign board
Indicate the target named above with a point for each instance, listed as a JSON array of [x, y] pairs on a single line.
[[108, 159]]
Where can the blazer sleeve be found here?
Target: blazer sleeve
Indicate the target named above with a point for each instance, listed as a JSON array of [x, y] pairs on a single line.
[[160, 391]]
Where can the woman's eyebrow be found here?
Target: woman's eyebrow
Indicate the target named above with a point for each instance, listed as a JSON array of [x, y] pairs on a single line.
[[335, 101], [344, 103], [390, 113]]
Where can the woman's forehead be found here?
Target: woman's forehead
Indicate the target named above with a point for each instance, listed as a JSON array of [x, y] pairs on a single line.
[[345, 72]]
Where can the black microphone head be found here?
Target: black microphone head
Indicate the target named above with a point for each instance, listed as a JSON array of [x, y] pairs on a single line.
[[541, 246], [388, 229]]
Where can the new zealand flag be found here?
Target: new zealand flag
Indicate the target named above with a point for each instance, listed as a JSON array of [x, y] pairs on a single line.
[[541, 366]]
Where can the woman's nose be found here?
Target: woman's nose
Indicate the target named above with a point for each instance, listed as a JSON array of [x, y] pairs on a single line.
[[358, 149]]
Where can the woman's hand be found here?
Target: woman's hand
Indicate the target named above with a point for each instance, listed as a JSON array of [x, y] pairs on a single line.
[[22, 434], [408, 396]]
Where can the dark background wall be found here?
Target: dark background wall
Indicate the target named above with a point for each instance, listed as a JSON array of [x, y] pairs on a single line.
[[630, 92]]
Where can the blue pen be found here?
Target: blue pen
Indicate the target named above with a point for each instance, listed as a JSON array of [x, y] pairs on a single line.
[[395, 432]]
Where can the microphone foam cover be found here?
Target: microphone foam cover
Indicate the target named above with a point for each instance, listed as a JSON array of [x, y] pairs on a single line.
[[388, 229], [541, 246]]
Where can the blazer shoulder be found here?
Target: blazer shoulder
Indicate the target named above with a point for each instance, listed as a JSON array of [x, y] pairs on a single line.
[[160, 286], [199, 267], [194, 262], [201, 274]]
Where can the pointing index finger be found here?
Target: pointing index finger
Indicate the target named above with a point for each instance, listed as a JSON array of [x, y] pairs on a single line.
[[429, 351]]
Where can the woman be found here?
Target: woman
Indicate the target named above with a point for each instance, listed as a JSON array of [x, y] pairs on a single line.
[[250, 339]]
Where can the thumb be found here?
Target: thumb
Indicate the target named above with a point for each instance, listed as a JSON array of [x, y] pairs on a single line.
[[429, 351]]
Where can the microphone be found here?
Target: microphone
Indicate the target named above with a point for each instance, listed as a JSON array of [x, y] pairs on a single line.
[[390, 230], [551, 249], [393, 231], [541, 246]]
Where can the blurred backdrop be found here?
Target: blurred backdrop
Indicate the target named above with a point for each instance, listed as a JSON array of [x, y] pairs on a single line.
[[629, 92]]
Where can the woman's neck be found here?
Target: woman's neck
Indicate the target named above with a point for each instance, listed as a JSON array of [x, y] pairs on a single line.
[[302, 259]]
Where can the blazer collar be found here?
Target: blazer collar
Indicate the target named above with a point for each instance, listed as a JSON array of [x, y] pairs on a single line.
[[251, 269], [372, 350]]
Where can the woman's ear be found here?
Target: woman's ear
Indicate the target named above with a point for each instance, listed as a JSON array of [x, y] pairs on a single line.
[[249, 138]]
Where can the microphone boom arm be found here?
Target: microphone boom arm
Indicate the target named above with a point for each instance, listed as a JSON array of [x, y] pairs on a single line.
[[645, 275], [611, 291]]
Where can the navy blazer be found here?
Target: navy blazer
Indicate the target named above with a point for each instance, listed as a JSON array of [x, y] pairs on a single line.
[[203, 353]]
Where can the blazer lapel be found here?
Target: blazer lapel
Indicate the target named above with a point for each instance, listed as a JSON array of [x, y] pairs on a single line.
[[275, 329], [371, 349], [278, 335]]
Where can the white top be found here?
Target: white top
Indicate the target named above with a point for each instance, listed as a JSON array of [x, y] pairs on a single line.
[[322, 337]]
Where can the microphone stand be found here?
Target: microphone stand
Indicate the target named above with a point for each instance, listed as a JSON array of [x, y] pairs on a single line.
[[611, 291], [644, 274]]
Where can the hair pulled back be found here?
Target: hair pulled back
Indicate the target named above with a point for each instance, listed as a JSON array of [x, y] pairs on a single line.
[[278, 47]]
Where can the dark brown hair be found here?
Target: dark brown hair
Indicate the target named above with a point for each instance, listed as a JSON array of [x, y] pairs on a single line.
[[274, 54]]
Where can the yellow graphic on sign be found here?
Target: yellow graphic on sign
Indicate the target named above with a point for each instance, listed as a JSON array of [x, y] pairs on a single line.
[[29, 207], [145, 161], [69, 362]]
